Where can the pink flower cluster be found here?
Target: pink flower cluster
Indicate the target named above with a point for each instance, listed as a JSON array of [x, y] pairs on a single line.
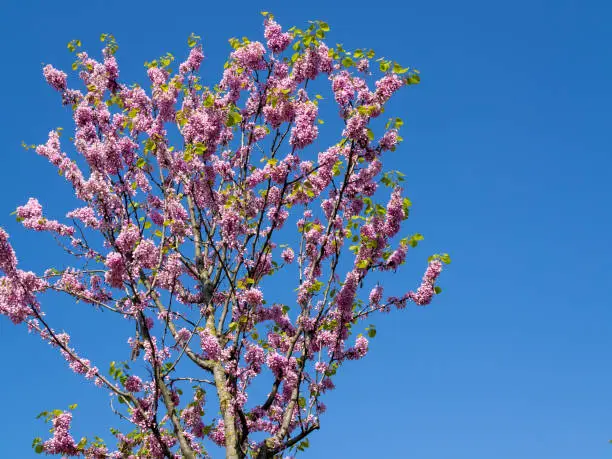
[[55, 78], [31, 217], [305, 130], [425, 292], [277, 41], [61, 442]]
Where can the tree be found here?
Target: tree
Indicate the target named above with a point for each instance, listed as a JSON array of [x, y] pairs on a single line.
[[188, 192]]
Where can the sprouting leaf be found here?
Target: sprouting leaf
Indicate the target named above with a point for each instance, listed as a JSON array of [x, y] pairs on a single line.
[[348, 62], [192, 40], [233, 118], [73, 45], [413, 79], [362, 264]]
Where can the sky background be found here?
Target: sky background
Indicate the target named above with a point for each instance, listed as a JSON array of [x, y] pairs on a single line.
[[507, 155]]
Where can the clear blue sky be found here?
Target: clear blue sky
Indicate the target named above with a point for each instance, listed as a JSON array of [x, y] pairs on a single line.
[[507, 154]]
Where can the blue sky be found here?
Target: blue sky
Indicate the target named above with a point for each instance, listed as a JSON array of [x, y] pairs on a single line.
[[507, 156]]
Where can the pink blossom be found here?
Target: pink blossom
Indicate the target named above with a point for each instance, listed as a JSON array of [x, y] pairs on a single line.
[[425, 292], [210, 345], [85, 215], [127, 238], [343, 88], [116, 273], [305, 131], [193, 61], [255, 357], [387, 85], [8, 260], [288, 255], [157, 75], [133, 384], [395, 213], [277, 41], [389, 140], [55, 78], [277, 363], [376, 295], [397, 257], [218, 433], [250, 56], [61, 442], [363, 65], [314, 61], [31, 217], [359, 350], [146, 254], [253, 296]]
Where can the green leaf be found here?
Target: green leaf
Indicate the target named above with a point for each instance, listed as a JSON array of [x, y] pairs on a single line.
[[316, 286], [413, 79], [438, 290], [192, 40], [348, 62], [38, 449], [414, 239], [370, 134], [363, 264], [324, 26], [233, 118]]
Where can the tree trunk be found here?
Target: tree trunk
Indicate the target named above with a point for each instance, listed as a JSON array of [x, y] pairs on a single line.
[[232, 450]]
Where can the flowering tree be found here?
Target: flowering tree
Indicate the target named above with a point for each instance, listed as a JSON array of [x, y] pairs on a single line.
[[188, 192]]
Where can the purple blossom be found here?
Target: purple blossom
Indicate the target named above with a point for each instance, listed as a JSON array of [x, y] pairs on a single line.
[[55, 78], [146, 254], [363, 65], [425, 292], [86, 215], [116, 272], [192, 64], [277, 41], [389, 140], [387, 85], [288, 255], [253, 296], [376, 295], [305, 131], [251, 56], [133, 384], [210, 345], [61, 442], [8, 260]]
